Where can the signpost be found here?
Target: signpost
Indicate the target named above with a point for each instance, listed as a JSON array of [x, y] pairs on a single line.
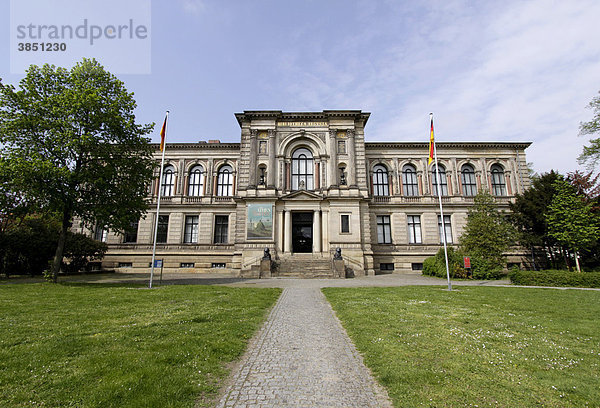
[[158, 263], [467, 262]]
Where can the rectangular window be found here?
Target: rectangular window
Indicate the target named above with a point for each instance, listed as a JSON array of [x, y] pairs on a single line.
[[345, 223], [163, 229], [221, 229], [414, 229], [447, 228], [218, 265], [186, 265], [417, 266], [101, 234], [384, 229], [125, 265], [341, 147], [386, 266], [190, 234], [131, 233]]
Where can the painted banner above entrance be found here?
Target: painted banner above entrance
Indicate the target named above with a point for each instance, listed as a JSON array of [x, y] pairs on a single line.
[[260, 221]]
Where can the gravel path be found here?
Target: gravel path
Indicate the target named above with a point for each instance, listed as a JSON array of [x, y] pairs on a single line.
[[302, 357]]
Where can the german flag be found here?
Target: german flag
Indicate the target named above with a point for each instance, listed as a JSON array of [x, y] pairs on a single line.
[[431, 143], [163, 133]]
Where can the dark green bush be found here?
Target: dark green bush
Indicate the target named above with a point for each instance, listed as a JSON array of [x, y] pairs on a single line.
[[484, 268], [436, 265], [556, 278], [80, 250], [27, 248]]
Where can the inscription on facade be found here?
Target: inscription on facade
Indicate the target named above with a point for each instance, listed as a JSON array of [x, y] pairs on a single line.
[[302, 124]]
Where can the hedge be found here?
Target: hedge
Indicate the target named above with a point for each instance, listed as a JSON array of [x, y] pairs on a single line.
[[556, 278]]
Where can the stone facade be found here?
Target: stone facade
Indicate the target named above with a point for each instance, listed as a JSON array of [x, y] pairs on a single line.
[[304, 184]]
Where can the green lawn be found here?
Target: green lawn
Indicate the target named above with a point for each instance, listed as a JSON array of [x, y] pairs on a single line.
[[477, 346], [115, 346]]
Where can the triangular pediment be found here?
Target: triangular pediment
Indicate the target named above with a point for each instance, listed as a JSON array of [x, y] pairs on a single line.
[[301, 195]]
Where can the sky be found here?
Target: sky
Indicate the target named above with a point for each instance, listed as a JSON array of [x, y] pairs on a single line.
[[488, 70]]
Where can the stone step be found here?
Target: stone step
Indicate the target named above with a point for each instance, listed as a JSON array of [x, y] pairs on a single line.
[[304, 267]]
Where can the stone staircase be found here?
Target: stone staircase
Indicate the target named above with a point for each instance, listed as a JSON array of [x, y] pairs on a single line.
[[299, 266]]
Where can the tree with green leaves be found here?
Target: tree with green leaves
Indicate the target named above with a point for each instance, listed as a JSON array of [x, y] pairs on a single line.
[[69, 144], [571, 221], [486, 237], [528, 216], [591, 153]]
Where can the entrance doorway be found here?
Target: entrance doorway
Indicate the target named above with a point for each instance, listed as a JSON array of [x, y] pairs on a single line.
[[302, 232]]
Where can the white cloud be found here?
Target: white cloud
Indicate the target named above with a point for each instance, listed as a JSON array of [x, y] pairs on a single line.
[[520, 71]]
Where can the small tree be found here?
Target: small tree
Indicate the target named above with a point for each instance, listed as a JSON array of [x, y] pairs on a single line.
[[486, 237], [571, 220], [528, 215], [69, 143], [591, 153]]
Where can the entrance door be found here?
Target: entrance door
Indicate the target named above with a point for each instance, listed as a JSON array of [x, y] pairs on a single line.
[[302, 232]]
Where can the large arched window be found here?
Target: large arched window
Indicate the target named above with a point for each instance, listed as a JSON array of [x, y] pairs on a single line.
[[381, 184], [302, 170], [225, 181], [443, 180], [469, 184], [196, 181], [409, 180], [498, 182], [168, 181]]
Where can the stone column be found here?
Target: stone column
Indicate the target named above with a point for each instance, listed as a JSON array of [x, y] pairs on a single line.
[[279, 231], [317, 231], [351, 158], [252, 161], [325, 231], [333, 158], [287, 232], [271, 171], [182, 178]]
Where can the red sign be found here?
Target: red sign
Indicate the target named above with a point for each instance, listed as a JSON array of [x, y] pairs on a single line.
[[467, 261]]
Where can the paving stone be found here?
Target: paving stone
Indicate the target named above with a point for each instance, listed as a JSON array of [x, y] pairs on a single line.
[[302, 357]]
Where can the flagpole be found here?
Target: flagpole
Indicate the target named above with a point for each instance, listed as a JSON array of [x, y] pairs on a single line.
[[160, 179], [439, 191]]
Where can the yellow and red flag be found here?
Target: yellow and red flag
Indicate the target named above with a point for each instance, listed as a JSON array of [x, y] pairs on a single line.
[[163, 133], [431, 143]]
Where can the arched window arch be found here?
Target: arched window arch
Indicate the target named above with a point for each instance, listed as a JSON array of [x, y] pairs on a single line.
[[196, 181], [302, 170], [409, 180], [443, 180], [381, 183], [498, 181], [168, 181], [225, 181], [469, 185]]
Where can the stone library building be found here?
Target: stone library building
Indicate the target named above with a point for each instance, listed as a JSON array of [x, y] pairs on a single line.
[[303, 184]]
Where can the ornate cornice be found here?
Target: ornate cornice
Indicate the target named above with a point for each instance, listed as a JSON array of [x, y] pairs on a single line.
[[198, 146], [282, 116], [446, 145]]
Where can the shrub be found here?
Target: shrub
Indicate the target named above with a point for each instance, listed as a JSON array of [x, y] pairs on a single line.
[[485, 268], [556, 278], [27, 249], [436, 265], [80, 250]]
